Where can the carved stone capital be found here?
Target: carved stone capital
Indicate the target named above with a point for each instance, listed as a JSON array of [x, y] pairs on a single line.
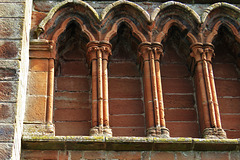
[[197, 51], [209, 51], [202, 52], [94, 46], [146, 48], [214, 133], [41, 48], [106, 49], [160, 132], [157, 50], [101, 131]]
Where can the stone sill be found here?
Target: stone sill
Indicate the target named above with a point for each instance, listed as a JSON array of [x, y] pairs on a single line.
[[128, 143]]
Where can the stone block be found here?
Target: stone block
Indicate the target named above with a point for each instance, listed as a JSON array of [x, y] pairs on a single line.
[[6, 151], [72, 84], [9, 49], [127, 120], [95, 155], [11, 9], [125, 88], [9, 70], [129, 131], [124, 155], [180, 115], [73, 68], [72, 114], [38, 65], [214, 155], [37, 83], [72, 128], [122, 107], [8, 92], [71, 100], [162, 155], [11, 28], [6, 132], [35, 109], [7, 112], [183, 129], [76, 155]]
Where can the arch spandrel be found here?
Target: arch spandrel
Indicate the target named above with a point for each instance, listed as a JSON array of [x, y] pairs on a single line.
[[116, 4], [220, 14], [178, 14], [165, 5], [130, 13], [77, 10]]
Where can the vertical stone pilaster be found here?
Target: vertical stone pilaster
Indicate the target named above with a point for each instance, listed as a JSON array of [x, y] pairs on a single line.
[[206, 91], [39, 110], [97, 55], [150, 55]]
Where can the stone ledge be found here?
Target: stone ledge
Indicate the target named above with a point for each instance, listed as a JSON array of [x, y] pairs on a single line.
[[128, 143]]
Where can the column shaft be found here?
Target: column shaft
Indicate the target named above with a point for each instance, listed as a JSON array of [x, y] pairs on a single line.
[[50, 91]]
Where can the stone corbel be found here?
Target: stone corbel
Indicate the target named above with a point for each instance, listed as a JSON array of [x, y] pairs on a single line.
[[150, 55], [97, 55], [206, 91]]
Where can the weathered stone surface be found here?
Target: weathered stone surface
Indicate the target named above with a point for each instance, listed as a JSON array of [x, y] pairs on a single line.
[[11, 10], [9, 70], [35, 109], [42, 6], [11, 28], [5, 151], [6, 132], [7, 112], [8, 91], [9, 49], [37, 83]]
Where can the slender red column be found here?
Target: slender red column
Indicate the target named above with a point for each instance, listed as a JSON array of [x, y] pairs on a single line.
[[149, 56], [206, 92], [50, 92], [97, 55], [49, 116], [158, 53], [144, 50]]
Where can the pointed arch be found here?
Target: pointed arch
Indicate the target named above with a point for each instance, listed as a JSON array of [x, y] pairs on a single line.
[[116, 4], [220, 14], [62, 12], [159, 37], [184, 7], [124, 11], [62, 28], [135, 31], [178, 14]]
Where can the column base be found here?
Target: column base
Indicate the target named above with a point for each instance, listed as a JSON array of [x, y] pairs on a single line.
[[101, 131], [38, 129], [160, 132], [214, 133]]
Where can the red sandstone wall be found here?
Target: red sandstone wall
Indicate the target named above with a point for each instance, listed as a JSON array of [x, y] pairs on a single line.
[[137, 155], [72, 107], [227, 82], [178, 95], [126, 99], [127, 116]]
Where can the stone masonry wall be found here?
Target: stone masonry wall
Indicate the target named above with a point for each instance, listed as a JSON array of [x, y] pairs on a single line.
[[126, 155], [14, 41], [178, 88], [73, 92]]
